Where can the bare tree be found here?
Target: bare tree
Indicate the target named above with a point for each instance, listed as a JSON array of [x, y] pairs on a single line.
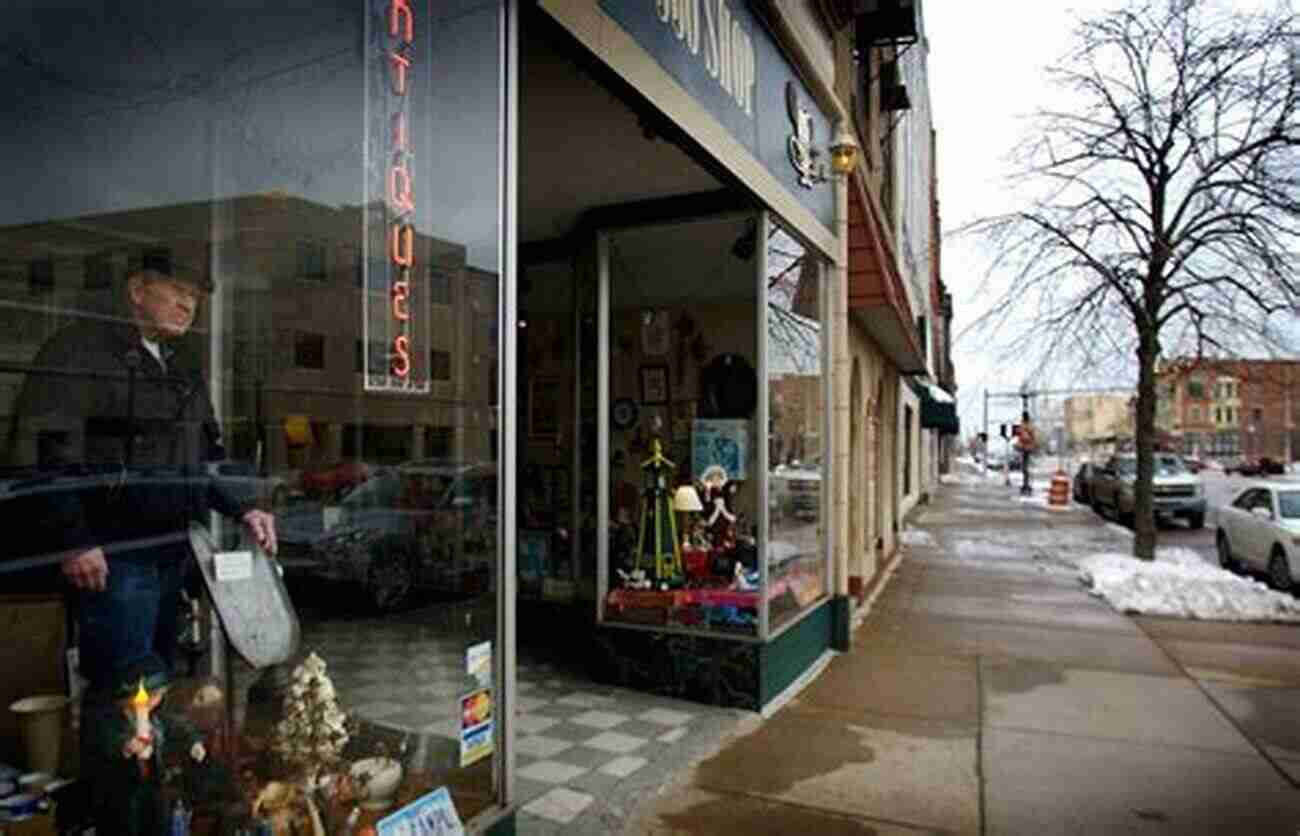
[[1162, 213]]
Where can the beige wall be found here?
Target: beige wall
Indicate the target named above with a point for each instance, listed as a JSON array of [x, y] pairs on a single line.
[[871, 481]]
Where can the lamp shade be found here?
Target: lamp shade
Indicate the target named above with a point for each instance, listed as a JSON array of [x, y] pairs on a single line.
[[686, 499]]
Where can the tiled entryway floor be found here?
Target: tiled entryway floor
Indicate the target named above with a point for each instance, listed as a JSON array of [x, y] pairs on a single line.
[[586, 754]]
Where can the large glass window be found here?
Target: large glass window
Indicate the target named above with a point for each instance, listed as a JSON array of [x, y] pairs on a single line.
[[692, 308], [683, 444], [798, 460], [250, 237]]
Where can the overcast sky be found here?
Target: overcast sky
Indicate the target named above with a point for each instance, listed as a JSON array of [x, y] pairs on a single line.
[[986, 70]]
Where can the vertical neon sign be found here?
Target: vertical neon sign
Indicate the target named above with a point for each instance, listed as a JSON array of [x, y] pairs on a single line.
[[392, 262]]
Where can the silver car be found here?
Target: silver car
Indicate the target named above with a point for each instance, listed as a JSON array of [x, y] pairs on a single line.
[[1258, 531]]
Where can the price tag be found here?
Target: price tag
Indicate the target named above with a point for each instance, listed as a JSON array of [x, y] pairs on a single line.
[[233, 566]]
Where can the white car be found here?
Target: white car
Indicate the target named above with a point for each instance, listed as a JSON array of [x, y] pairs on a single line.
[[1260, 530]]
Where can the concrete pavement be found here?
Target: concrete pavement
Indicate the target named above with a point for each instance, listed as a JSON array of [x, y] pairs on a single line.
[[988, 692]]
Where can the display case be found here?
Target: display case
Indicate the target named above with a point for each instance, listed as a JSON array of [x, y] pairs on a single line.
[[714, 396]]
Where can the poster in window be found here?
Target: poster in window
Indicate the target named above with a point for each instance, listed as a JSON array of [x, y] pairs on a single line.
[[723, 442]]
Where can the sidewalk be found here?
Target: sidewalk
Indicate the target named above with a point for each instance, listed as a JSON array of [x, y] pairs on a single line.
[[988, 692]]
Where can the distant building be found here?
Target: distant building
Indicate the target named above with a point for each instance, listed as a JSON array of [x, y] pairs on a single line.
[[1229, 408], [1097, 419]]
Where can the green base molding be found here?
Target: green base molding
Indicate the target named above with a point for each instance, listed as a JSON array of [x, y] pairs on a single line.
[[713, 669]]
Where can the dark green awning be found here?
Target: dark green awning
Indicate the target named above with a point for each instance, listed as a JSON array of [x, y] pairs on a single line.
[[938, 409]]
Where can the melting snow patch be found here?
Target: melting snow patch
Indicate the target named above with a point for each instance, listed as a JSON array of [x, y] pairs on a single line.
[[1180, 583], [916, 537]]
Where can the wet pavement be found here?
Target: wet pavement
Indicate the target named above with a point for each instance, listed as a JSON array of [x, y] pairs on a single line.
[[988, 692]]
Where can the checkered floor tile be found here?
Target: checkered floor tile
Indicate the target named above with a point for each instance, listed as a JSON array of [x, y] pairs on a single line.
[[578, 744]]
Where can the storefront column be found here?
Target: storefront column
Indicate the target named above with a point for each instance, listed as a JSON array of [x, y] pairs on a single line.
[[841, 370]]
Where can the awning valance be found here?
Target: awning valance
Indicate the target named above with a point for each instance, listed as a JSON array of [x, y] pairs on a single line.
[[938, 408]]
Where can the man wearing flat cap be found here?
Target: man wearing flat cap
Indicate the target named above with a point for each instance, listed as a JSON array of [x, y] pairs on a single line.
[[121, 404]]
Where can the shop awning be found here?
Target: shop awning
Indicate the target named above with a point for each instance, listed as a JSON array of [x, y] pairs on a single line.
[[938, 408]]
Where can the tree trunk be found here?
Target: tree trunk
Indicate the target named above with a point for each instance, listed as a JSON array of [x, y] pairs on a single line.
[[1144, 524]]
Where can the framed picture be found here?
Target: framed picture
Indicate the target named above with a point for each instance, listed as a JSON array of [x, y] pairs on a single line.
[[544, 406], [654, 384]]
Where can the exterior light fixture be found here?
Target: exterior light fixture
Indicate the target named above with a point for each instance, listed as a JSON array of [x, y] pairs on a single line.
[[844, 149]]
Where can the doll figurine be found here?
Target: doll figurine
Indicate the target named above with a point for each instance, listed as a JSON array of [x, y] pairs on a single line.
[[720, 519]]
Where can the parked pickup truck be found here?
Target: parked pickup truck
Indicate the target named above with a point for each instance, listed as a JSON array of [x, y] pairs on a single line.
[[1176, 491]]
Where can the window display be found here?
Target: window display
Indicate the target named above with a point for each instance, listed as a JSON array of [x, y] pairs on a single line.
[[250, 424], [683, 531], [696, 443]]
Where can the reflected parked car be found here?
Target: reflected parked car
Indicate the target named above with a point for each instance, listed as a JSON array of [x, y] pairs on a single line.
[[242, 479], [1258, 531], [422, 524], [796, 489], [333, 480]]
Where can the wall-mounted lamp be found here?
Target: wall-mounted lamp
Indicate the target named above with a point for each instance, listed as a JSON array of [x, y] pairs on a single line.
[[844, 149]]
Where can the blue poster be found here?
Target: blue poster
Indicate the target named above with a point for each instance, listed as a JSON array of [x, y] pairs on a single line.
[[429, 815], [723, 442]]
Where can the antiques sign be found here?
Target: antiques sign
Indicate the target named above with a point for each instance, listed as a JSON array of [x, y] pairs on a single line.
[[394, 319], [723, 56]]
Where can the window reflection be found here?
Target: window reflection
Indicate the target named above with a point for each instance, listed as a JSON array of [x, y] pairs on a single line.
[[228, 147], [797, 566]]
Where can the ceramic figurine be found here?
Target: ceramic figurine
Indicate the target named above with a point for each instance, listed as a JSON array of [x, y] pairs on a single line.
[[127, 752], [721, 520]]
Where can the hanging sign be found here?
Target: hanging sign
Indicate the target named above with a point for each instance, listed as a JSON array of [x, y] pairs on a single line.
[[394, 318]]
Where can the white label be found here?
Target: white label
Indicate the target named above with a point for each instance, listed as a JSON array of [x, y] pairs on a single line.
[[234, 566], [478, 663], [331, 515]]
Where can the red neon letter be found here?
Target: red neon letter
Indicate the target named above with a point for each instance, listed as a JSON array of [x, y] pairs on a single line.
[[398, 132], [401, 245], [401, 356], [400, 17], [400, 63], [401, 295], [399, 189]]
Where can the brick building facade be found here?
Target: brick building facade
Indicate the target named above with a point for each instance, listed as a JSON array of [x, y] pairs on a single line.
[[1230, 408]]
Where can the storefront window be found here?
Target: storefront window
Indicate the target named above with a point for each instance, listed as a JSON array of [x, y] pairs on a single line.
[[683, 393], [797, 453], [252, 284]]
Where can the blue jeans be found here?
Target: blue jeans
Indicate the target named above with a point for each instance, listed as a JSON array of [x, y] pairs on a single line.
[[137, 614]]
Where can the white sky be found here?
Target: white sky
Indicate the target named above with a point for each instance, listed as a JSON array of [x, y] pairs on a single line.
[[986, 70], [987, 73]]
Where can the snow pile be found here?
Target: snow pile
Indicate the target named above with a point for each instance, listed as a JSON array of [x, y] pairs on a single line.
[[916, 537], [1180, 583]]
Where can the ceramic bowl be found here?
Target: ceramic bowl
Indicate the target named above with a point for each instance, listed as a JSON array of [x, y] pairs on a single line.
[[380, 784]]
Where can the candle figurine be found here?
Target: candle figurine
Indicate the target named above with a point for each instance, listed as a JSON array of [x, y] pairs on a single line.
[[126, 755]]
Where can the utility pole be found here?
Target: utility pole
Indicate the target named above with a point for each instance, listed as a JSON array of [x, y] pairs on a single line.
[[1026, 439], [985, 452]]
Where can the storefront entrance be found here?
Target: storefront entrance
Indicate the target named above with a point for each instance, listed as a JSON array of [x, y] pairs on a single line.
[[672, 396]]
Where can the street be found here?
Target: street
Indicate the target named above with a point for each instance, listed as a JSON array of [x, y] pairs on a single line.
[[1219, 491]]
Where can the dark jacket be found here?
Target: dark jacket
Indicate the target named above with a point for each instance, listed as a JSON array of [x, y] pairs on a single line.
[[126, 439]]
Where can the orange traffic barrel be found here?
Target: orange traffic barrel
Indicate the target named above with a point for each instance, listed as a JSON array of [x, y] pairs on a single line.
[[1059, 495]]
